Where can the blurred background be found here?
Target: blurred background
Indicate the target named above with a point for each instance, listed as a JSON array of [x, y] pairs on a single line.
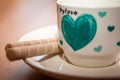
[[18, 17], [27, 12], [22, 16]]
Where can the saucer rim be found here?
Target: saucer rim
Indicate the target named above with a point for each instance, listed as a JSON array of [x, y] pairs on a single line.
[[59, 75], [55, 74]]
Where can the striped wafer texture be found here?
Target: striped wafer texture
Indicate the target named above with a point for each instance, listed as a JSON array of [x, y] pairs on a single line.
[[30, 51], [30, 43], [22, 50]]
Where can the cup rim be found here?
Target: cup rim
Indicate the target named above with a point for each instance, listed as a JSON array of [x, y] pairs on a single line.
[[89, 7]]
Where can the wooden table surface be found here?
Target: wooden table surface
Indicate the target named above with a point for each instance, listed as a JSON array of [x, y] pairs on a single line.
[[18, 17]]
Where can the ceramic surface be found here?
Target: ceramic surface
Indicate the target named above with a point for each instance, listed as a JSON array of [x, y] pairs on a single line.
[[89, 33], [56, 65]]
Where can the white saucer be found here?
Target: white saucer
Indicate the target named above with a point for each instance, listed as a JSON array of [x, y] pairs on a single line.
[[56, 66]]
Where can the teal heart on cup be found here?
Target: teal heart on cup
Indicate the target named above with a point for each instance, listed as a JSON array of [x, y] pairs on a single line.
[[111, 28], [61, 42], [98, 49], [118, 43], [102, 14], [80, 32]]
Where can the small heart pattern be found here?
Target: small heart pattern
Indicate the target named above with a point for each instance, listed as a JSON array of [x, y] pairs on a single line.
[[98, 49], [61, 42], [111, 28], [102, 14], [118, 43], [80, 32]]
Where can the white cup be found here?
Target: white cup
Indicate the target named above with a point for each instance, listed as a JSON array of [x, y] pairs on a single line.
[[89, 31]]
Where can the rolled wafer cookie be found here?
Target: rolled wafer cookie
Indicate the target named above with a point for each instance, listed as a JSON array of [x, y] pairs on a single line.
[[30, 43], [23, 52]]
